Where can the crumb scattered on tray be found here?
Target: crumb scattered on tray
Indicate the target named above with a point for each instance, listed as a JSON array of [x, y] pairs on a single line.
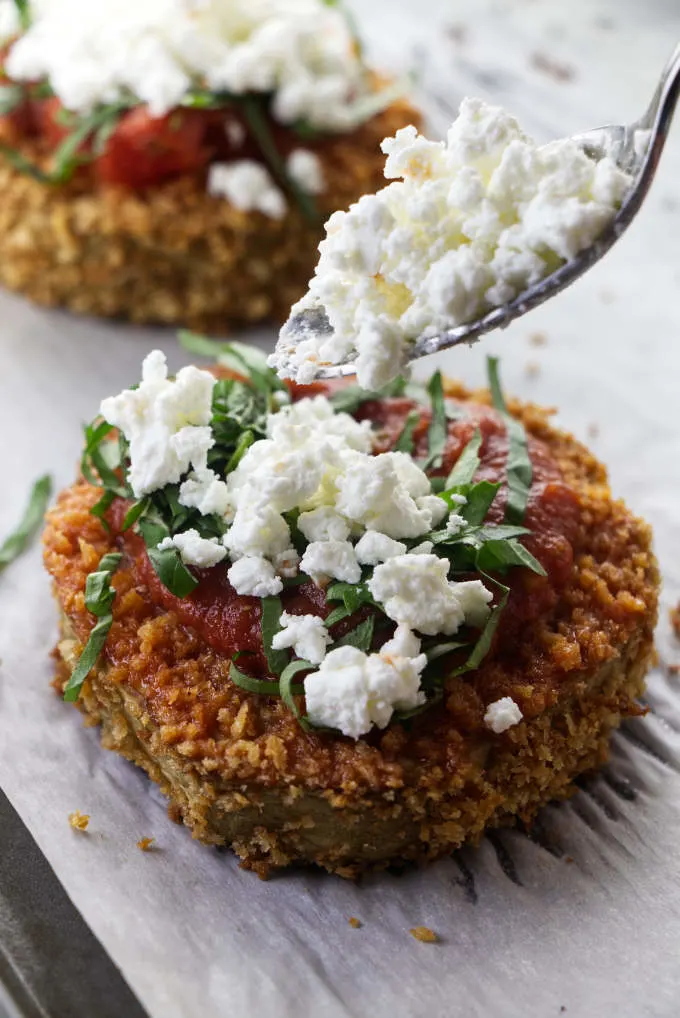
[[593, 430], [569, 858], [146, 844], [674, 669], [675, 619], [354, 922], [538, 338], [457, 33], [532, 369], [554, 68], [424, 934], [78, 820]]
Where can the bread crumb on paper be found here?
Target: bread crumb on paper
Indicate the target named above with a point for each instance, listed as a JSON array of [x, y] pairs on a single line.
[[354, 922], [538, 339], [532, 369], [553, 68], [78, 820], [675, 619], [146, 844], [424, 934], [674, 669]]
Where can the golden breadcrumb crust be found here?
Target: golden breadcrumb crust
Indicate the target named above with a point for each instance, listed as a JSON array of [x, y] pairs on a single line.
[[172, 253], [239, 770]]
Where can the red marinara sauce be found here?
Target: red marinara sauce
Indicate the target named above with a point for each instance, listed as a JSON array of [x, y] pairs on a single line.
[[230, 623]]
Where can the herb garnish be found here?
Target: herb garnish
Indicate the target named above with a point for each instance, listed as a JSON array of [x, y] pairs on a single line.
[[23, 9], [472, 544], [18, 540], [519, 469], [99, 598], [439, 429]]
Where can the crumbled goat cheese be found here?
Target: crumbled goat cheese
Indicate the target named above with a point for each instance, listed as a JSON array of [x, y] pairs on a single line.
[[203, 490], [306, 634], [320, 462], [306, 169], [331, 559], [474, 222], [254, 576], [455, 523], [301, 51], [352, 691], [247, 186], [502, 714], [166, 423], [374, 547], [194, 549], [415, 592], [323, 524]]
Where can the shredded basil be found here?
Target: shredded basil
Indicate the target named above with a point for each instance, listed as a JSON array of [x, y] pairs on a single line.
[[30, 523], [352, 595], [479, 499], [361, 637], [256, 118], [99, 598], [289, 691], [271, 625], [405, 441], [24, 11], [260, 686], [171, 571], [467, 463], [519, 469], [349, 398], [439, 428], [11, 97]]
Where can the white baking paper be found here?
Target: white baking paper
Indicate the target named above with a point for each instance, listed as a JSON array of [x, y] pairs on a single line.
[[586, 917]]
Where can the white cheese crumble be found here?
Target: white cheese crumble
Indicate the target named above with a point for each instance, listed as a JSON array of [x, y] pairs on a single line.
[[323, 560], [254, 576], [306, 169], [415, 592], [248, 186], [306, 634], [375, 547], [352, 691], [95, 51], [474, 222], [166, 423], [502, 714], [204, 552]]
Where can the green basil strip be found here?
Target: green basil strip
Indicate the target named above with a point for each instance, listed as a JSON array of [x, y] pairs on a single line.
[[483, 644], [288, 691], [498, 556], [88, 658], [271, 625], [99, 598], [405, 441], [135, 512], [337, 615], [24, 12], [30, 523], [479, 500], [519, 469], [260, 686], [442, 649], [101, 507], [349, 398], [256, 119], [467, 463], [361, 637], [11, 97], [242, 446], [439, 428], [171, 571]]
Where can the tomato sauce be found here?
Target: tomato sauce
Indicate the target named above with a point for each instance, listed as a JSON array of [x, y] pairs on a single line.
[[231, 623]]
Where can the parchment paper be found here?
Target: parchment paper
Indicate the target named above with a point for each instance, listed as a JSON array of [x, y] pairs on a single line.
[[587, 916]]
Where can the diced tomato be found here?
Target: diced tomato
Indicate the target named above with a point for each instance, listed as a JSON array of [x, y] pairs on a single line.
[[144, 149]]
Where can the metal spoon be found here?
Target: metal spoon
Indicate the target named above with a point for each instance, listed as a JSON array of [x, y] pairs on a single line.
[[635, 148]]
